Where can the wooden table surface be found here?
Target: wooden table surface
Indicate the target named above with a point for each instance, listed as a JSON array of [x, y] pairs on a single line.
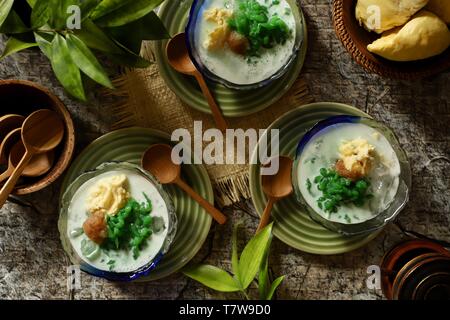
[[33, 264]]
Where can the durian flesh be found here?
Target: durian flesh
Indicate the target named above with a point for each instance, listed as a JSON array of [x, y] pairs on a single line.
[[424, 36], [383, 15]]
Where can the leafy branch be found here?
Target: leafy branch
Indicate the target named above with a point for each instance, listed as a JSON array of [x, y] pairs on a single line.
[[113, 28], [253, 261]]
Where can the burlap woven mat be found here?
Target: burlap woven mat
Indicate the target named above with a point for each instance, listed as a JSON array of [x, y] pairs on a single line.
[[148, 102]]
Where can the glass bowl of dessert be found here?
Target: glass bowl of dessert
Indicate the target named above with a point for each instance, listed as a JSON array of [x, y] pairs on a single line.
[[116, 222], [244, 44], [351, 174]]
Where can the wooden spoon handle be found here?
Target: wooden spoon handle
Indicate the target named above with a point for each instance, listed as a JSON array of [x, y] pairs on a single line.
[[216, 214], [217, 113], [8, 187], [5, 175], [266, 215]]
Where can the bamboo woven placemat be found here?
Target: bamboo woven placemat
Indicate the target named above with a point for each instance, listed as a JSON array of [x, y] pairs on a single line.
[[148, 102]]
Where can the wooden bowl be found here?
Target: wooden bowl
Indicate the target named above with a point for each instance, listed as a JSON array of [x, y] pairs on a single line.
[[355, 39], [23, 97], [426, 277], [399, 257]]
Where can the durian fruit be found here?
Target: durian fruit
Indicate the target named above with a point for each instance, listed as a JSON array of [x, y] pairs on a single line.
[[424, 36], [441, 8], [383, 15]]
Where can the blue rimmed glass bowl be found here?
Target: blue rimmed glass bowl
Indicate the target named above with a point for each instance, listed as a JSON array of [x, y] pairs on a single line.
[[393, 208], [196, 13], [153, 259]]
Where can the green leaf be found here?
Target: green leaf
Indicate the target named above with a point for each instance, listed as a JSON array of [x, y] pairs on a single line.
[[152, 28], [263, 278], [96, 39], [15, 45], [59, 12], [13, 24], [86, 61], [253, 255], [5, 8], [276, 283], [25, 37], [41, 13], [44, 42], [32, 2], [107, 6], [65, 69], [234, 252], [129, 13], [212, 277], [129, 60], [131, 35], [87, 6]]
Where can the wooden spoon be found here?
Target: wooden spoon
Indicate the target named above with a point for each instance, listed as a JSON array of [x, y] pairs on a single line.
[[179, 59], [8, 142], [42, 132], [158, 161], [276, 187], [8, 123], [38, 165]]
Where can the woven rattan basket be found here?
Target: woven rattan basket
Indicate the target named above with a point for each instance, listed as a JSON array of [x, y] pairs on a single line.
[[355, 39]]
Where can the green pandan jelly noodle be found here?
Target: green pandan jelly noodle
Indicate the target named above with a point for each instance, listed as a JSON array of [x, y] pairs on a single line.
[[252, 20], [337, 197], [128, 221], [337, 191], [130, 228], [268, 29]]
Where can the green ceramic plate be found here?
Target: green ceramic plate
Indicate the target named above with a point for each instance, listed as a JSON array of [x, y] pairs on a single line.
[[193, 222], [233, 103], [292, 224]]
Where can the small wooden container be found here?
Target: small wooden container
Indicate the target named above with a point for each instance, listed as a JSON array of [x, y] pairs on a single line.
[[416, 269], [355, 39], [24, 97]]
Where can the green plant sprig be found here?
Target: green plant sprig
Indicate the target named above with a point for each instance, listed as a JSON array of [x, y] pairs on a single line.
[[337, 190], [253, 261], [113, 28]]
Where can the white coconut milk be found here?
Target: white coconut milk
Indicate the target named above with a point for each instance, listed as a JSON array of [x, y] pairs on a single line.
[[322, 151], [236, 68], [124, 260]]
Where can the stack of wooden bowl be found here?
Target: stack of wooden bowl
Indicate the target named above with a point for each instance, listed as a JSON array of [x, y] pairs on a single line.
[[416, 270], [20, 99]]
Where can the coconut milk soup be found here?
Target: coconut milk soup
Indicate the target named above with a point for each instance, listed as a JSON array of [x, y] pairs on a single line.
[[356, 151], [104, 193], [234, 67]]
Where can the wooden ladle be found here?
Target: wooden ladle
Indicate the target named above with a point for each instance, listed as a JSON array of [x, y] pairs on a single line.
[[8, 124], [179, 59], [276, 187], [42, 131], [8, 142], [158, 161], [38, 165]]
